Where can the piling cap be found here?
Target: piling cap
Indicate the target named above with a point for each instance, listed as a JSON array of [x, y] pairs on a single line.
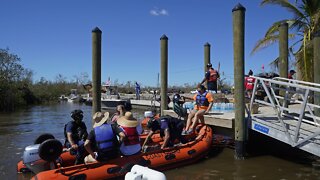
[[164, 37], [284, 23], [96, 29], [238, 7], [206, 44]]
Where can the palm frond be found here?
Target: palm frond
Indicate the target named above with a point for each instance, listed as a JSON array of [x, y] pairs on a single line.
[[274, 28], [263, 43], [310, 7], [275, 64], [299, 25], [294, 44], [285, 4]]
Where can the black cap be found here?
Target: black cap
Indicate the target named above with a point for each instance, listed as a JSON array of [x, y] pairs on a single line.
[[153, 124], [209, 65]]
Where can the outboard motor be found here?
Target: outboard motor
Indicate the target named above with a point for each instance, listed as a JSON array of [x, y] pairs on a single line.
[[42, 157]]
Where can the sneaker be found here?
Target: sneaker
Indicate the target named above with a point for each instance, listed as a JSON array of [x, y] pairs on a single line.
[[184, 132], [190, 131]]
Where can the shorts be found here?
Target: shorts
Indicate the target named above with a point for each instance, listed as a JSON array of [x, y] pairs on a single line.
[[212, 86]]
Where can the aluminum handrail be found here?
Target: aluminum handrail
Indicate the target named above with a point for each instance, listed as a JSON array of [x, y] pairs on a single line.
[[304, 83], [278, 102]]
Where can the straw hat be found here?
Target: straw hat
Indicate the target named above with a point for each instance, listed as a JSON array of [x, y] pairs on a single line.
[[100, 118], [127, 120]]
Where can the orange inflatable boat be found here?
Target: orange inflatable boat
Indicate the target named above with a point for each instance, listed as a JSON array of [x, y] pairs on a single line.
[[32, 153], [158, 159]]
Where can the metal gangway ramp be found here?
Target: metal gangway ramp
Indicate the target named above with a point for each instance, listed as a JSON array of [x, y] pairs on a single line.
[[287, 112]]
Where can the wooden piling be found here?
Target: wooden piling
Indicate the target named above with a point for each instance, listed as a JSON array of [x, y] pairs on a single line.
[[206, 56], [96, 70], [164, 72], [283, 55], [316, 62], [238, 13]]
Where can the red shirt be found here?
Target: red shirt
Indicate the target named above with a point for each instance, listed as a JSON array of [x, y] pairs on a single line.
[[249, 82]]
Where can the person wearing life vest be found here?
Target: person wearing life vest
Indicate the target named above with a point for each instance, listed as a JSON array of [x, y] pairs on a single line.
[[132, 129], [249, 83], [204, 102], [102, 143], [211, 77], [75, 132], [170, 129]]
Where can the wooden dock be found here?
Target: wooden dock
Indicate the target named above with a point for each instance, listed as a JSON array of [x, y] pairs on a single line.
[[224, 120], [264, 121]]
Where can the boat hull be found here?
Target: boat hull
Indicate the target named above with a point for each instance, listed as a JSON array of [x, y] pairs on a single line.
[[158, 159]]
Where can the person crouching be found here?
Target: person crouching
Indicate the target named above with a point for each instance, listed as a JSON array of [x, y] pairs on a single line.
[[170, 130], [102, 143]]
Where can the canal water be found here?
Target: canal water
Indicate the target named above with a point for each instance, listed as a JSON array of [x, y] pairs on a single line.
[[266, 159]]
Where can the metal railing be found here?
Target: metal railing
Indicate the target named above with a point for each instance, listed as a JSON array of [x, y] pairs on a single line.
[[280, 92]]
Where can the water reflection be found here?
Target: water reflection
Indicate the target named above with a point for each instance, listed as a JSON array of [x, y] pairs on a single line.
[[19, 129]]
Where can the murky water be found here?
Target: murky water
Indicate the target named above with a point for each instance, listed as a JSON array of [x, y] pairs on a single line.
[[267, 159]]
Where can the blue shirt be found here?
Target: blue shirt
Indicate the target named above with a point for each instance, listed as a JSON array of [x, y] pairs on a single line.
[[76, 130]]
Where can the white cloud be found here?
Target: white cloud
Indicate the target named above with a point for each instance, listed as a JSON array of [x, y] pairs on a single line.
[[159, 12]]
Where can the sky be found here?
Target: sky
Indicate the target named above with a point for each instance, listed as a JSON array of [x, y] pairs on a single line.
[[54, 37]]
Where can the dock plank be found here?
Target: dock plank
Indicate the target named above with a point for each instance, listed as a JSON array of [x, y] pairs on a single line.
[[215, 119]]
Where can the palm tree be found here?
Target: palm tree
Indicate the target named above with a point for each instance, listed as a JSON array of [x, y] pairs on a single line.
[[305, 22]]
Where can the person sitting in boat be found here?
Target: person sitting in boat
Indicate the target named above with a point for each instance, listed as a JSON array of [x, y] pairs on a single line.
[[120, 111], [132, 129], [102, 143], [204, 102], [75, 132], [170, 129]]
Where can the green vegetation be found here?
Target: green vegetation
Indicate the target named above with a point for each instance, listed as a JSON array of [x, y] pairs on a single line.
[[17, 88], [304, 23]]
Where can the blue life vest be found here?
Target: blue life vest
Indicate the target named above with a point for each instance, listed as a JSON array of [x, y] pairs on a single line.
[[104, 137], [202, 100]]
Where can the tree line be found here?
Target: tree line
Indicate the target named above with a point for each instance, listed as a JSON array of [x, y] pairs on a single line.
[[17, 88]]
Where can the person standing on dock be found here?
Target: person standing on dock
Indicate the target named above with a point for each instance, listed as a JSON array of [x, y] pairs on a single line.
[[249, 83], [204, 102], [211, 77], [137, 91], [291, 73]]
